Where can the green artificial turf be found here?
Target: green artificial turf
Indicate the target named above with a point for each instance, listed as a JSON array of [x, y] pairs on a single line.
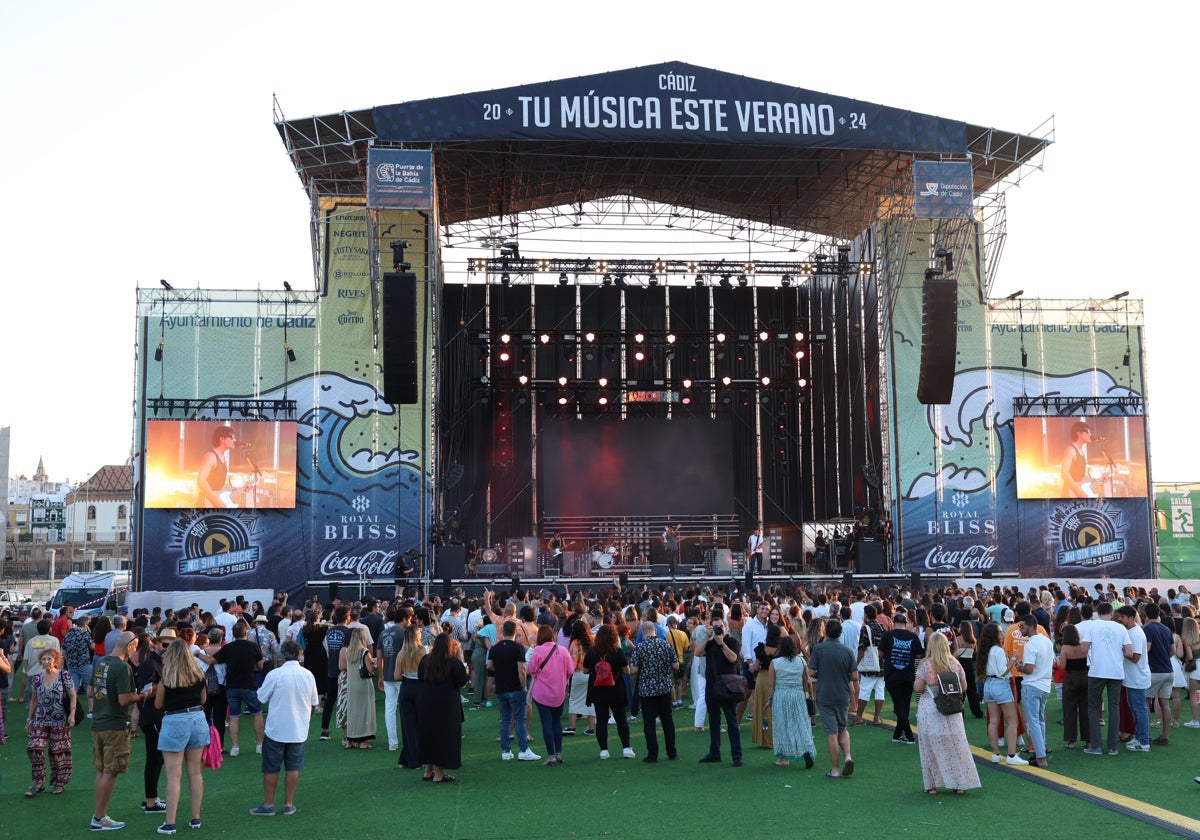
[[362, 794]]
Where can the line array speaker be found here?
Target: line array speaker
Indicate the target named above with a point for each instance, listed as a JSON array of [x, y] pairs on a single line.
[[400, 338], [939, 341]]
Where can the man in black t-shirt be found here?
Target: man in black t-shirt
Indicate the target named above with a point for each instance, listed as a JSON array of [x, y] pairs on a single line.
[[241, 658], [506, 664], [335, 639], [900, 650]]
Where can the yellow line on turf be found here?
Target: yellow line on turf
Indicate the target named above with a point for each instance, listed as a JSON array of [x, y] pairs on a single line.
[[1103, 794]]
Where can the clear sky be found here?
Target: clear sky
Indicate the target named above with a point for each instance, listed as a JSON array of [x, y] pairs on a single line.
[[139, 144]]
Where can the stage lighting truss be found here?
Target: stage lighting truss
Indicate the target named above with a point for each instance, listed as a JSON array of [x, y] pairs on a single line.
[[644, 272]]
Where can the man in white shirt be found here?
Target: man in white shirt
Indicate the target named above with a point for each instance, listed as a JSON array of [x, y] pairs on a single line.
[[292, 692], [1136, 680], [1107, 645], [1037, 665]]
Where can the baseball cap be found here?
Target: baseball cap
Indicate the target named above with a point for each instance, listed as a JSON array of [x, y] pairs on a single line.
[[1008, 616]]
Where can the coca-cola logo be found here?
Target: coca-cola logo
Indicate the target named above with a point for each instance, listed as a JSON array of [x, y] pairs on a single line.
[[971, 557], [376, 563]]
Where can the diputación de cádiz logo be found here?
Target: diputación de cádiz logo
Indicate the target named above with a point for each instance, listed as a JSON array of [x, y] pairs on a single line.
[[1089, 532], [216, 544]]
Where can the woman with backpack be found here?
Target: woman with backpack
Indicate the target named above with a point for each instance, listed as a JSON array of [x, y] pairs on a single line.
[[604, 665], [946, 759]]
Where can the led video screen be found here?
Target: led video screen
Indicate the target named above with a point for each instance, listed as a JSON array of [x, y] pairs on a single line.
[[1081, 457], [213, 464]]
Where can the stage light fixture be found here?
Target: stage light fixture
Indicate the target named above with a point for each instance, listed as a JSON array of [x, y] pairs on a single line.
[[602, 399], [763, 335], [158, 351], [670, 338], [687, 383], [620, 281], [562, 279], [291, 354], [725, 281], [607, 280], [563, 399], [766, 380], [639, 355], [505, 279], [602, 381], [589, 337], [699, 280], [544, 338], [505, 356], [726, 381], [799, 355], [660, 267], [523, 380], [799, 336], [743, 280], [802, 382], [720, 338], [167, 285], [505, 338], [787, 281], [653, 281], [562, 380], [639, 337]]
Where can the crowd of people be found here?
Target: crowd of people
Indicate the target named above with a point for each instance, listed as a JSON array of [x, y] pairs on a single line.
[[777, 662]]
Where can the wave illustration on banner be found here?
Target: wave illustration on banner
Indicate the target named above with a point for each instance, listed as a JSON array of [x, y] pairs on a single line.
[[982, 402]]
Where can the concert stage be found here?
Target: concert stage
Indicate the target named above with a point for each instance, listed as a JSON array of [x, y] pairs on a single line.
[[666, 295]]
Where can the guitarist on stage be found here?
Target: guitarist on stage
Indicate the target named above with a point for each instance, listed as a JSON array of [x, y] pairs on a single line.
[[671, 540], [214, 469]]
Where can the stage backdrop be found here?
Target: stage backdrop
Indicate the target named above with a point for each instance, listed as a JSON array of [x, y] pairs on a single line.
[[362, 485], [953, 467]]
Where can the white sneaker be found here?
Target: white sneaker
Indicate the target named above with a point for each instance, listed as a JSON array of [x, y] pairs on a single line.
[[258, 749], [628, 753], [604, 753], [995, 758], [506, 755], [1016, 760], [234, 752], [1135, 745], [528, 755], [1193, 724], [393, 747]]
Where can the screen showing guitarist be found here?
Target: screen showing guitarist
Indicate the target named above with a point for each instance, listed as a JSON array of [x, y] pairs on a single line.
[[214, 469], [1075, 462]]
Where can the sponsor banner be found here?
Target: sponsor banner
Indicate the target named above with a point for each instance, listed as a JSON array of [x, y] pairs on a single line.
[[362, 493], [669, 102], [942, 190], [954, 466], [399, 179]]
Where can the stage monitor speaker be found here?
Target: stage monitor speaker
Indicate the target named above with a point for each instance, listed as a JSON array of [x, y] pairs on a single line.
[[660, 570], [847, 579], [451, 561], [939, 341], [333, 591], [871, 559], [914, 582], [400, 338], [516, 583]]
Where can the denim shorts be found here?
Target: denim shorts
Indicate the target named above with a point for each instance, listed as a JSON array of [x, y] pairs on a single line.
[[998, 690], [238, 696], [183, 731], [276, 755]]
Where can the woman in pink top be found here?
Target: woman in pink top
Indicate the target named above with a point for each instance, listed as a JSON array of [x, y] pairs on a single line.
[[553, 666]]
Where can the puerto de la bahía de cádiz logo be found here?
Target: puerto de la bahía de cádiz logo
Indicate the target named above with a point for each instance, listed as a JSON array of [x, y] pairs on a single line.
[[1089, 532], [215, 543]]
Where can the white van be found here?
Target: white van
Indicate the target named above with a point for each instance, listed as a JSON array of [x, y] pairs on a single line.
[[91, 593]]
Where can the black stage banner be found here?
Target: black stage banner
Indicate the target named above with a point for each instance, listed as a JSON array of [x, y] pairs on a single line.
[[672, 102]]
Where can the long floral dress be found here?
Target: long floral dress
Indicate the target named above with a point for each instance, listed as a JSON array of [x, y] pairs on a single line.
[[946, 760]]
